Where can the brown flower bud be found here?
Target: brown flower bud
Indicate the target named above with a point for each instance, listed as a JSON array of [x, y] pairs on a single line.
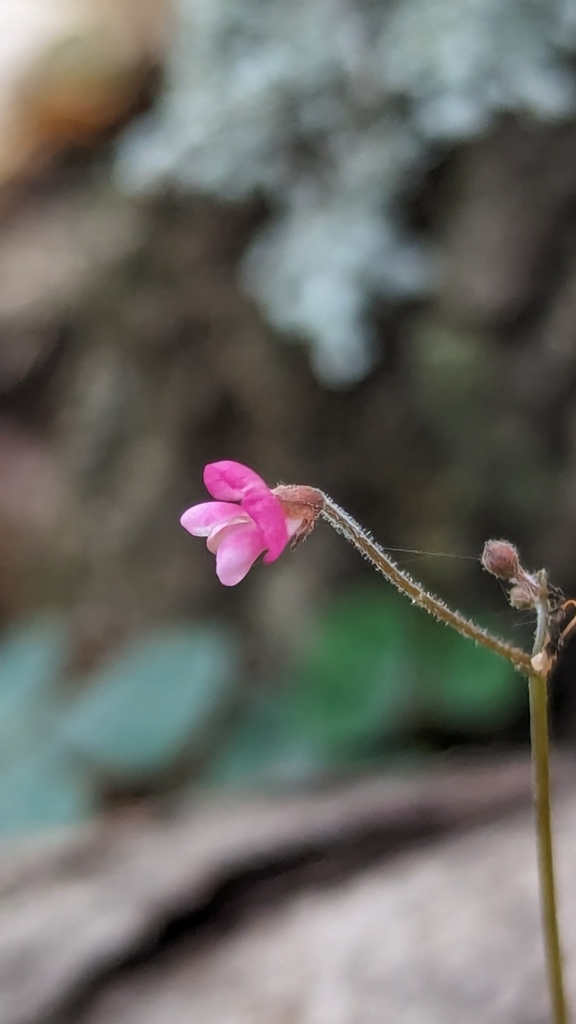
[[302, 506], [501, 559]]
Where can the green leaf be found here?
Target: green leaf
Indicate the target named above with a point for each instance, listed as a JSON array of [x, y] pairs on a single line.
[[265, 749], [463, 686], [32, 657], [354, 684], [153, 700], [43, 789]]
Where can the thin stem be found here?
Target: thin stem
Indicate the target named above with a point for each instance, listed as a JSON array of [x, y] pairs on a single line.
[[367, 546], [541, 768]]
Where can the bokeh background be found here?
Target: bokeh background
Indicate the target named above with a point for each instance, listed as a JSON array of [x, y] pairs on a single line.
[[333, 240]]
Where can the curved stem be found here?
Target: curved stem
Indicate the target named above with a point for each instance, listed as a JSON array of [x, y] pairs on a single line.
[[343, 523], [367, 546], [541, 767]]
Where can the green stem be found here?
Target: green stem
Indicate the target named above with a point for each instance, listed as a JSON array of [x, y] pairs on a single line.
[[541, 765], [343, 523]]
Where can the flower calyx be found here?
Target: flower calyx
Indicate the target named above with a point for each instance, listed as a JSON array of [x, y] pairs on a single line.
[[302, 506]]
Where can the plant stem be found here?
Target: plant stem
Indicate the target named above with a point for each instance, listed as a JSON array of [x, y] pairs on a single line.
[[367, 546], [343, 523], [540, 760]]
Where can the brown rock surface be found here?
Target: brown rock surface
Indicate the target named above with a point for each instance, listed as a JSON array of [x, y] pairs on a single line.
[[330, 907]]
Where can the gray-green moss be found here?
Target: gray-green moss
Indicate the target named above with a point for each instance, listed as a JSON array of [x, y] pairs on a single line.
[[331, 109]]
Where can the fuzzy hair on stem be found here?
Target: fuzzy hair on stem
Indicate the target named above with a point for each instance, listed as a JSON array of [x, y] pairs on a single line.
[[344, 524], [528, 590]]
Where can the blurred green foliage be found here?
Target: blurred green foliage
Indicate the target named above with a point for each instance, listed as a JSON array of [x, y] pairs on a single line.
[[463, 687], [32, 658], [355, 682], [39, 783], [132, 718], [374, 675], [152, 701], [43, 788]]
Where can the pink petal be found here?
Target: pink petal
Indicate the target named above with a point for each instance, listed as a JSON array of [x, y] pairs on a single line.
[[237, 551], [200, 520], [268, 514], [229, 481]]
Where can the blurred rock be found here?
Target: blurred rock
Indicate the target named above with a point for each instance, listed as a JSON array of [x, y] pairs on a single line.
[[70, 70], [450, 933], [261, 907]]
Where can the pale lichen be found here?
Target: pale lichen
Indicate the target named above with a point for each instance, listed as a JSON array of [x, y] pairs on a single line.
[[332, 109]]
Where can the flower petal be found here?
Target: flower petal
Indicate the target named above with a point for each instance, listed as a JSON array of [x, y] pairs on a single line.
[[229, 481], [268, 514], [237, 551], [200, 520]]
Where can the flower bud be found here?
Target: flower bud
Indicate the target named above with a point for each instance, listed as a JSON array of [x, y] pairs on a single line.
[[302, 505], [501, 559]]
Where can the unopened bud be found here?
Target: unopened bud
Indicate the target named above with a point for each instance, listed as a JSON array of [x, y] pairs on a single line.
[[302, 506], [501, 559]]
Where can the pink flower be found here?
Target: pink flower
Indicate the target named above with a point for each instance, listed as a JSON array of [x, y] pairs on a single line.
[[246, 520]]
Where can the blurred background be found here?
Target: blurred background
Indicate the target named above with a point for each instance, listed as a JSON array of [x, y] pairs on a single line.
[[333, 240]]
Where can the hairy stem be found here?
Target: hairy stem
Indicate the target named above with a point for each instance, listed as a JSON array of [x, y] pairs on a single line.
[[367, 546], [540, 761]]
